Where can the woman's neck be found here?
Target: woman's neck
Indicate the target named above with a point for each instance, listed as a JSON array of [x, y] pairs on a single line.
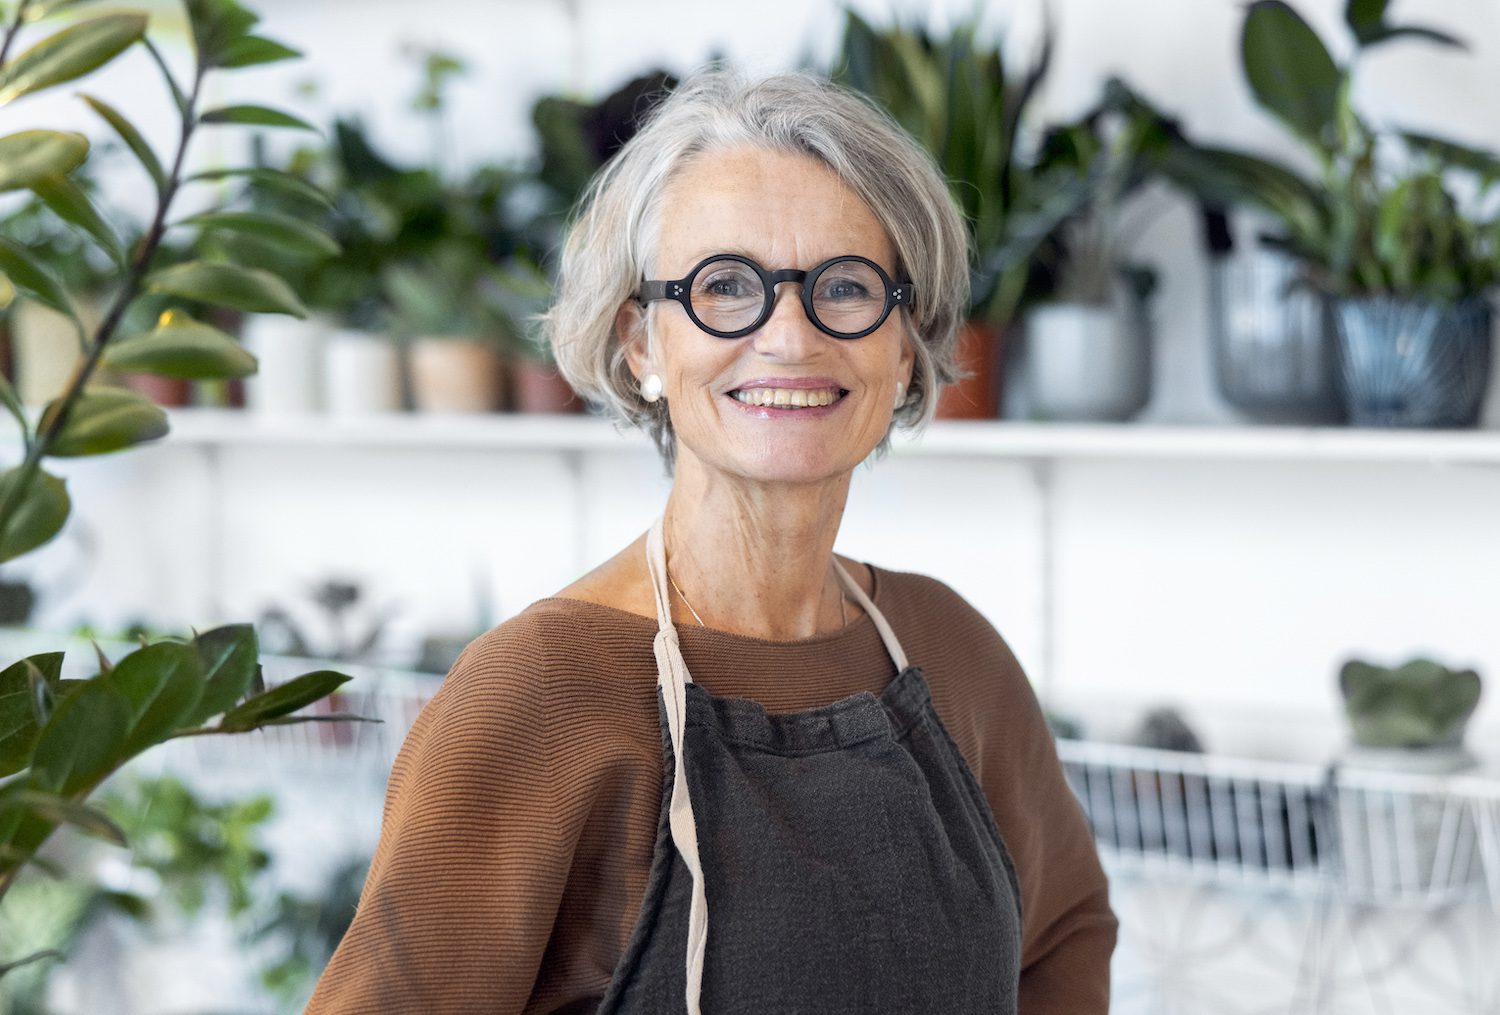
[[755, 559]]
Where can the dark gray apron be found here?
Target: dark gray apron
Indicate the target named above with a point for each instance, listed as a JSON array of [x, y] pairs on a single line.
[[847, 854]]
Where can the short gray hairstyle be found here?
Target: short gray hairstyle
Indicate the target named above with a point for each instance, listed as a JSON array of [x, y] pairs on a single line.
[[611, 239]]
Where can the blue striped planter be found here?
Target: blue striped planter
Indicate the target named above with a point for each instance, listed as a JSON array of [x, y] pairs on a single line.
[[1409, 363]]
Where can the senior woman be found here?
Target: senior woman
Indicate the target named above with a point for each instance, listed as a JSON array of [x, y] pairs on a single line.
[[729, 770]]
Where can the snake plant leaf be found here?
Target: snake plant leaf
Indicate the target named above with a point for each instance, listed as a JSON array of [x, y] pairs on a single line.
[[275, 179], [132, 138], [35, 279], [34, 154], [38, 517], [253, 50], [252, 289], [70, 53], [280, 230], [1289, 69], [72, 205], [281, 700], [164, 682], [18, 721], [227, 656], [104, 420], [259, 116], [181, 347]]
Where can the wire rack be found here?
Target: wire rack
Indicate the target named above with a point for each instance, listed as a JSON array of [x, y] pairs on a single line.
[[1385, 838]]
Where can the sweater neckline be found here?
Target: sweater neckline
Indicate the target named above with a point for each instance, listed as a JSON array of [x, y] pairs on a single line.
[[699, 632]]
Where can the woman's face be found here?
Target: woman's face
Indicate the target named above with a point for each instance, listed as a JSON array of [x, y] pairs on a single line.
[[783, 211]]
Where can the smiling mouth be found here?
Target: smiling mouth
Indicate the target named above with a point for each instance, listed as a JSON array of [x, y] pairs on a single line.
[[782, 398]]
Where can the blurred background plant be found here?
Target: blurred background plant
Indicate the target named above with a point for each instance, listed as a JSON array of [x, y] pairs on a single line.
[[60, 739]]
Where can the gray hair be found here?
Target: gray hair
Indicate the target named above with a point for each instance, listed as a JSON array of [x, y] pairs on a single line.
[[611, 239]]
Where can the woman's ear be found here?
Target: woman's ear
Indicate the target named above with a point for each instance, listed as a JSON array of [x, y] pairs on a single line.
[[630, 332]]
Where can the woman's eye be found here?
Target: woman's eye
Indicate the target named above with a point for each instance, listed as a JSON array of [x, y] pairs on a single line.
[[843, 289], [724, 287]]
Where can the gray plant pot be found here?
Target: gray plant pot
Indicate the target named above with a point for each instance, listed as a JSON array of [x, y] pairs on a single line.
[[1411, 363], [1273, 341], [1088, 363]]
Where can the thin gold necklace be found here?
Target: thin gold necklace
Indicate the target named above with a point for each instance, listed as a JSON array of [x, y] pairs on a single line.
[[843, 616]]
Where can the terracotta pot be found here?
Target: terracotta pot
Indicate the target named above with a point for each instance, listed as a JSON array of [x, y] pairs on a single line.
[[161, 390], [981, 351], [450, 374], [537, 386]]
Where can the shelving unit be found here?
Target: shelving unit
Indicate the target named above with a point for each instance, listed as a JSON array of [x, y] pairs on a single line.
[[980, 438]]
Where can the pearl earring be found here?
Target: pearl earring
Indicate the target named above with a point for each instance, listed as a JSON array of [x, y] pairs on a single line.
[[651, 387], [900, 394]]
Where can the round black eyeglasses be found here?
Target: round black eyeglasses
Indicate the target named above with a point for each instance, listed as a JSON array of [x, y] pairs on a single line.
[[729, 296]]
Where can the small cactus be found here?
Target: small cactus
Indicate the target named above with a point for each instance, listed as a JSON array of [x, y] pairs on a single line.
[[1418, 704]]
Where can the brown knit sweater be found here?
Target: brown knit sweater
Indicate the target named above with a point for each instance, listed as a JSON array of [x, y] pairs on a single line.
[[521, 811]]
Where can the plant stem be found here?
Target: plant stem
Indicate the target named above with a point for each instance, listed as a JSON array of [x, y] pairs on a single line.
[[136, 275], [12, 30]]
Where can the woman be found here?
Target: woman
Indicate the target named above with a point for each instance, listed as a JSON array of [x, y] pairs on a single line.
[[729, 770]]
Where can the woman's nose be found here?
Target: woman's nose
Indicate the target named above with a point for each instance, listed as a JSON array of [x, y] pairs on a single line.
[[787, 333]]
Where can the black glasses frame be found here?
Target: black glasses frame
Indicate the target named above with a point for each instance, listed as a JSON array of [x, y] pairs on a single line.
[[680, 290]]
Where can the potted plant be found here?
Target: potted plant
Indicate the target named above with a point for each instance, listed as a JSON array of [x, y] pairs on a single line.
[[1088, 340], [61, 738], [1380, 229], [956, 95], [1405, 719]]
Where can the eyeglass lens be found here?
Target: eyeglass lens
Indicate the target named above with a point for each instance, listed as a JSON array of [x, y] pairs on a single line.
[[847, 296]]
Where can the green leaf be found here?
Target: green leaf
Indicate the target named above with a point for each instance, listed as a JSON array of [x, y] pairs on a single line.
[[228, 657], [132, 138], [71, 204], [85, 738], [1387, 33], [217, 25], [260, 116], [26, 960], [7, 291], [71, 53], [8, 396], [61, 810], [103, 420], [18, 725], [1289, 69], [1364, 17], [38, 517], [281, 230], [38, 9], [250, 50], [181, 347], [251, 289], [34, 154], [164, 682], [275, 179], [279, 701], [35, 279]]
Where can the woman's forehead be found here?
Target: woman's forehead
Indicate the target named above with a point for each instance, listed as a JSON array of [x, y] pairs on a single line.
[[781, 208]]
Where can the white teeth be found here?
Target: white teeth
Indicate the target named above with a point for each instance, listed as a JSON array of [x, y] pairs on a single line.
[[788, 398]]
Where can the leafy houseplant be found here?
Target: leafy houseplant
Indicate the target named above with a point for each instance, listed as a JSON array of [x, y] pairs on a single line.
[[1419, 706], [1379, 228], [61, 738], [956, 95], [1088, 352]]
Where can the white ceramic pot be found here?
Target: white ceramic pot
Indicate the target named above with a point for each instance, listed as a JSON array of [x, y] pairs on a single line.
[[362, 374], [451, 374], [1087, 361], [289, 378]]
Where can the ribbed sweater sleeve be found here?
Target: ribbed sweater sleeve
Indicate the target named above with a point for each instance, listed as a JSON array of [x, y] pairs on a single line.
[[473, 854]]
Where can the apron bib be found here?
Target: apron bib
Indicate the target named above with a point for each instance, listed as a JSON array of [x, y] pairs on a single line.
[[846, 854]]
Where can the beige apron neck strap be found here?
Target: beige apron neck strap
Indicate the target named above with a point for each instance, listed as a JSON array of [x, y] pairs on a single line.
[[672, 677], [892, 644]]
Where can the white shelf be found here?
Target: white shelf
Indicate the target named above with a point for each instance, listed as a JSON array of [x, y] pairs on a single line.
[[965, 438]]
